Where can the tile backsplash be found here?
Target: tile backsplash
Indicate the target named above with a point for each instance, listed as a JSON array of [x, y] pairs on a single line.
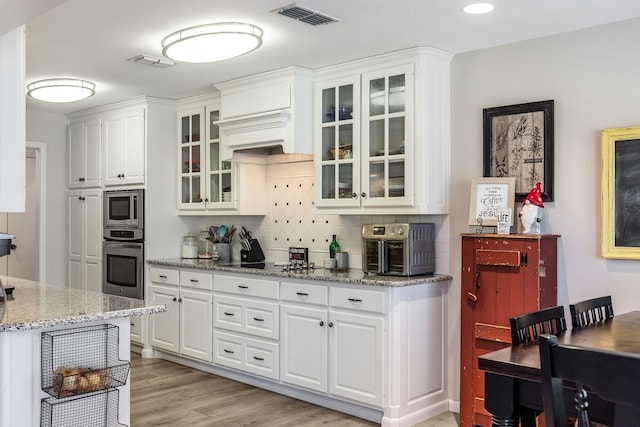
[[292, 220]]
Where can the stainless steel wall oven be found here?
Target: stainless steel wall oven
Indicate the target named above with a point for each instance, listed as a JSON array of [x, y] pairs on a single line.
[[123, 246]]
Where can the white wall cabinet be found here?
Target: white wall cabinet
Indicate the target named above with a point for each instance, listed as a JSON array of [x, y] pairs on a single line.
[[207, 184], [381, 134], [185, 328], [84, 145], [123, 147], [85, 239]]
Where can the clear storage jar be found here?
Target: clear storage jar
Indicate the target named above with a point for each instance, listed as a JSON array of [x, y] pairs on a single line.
[[205, 246], [189, 246]]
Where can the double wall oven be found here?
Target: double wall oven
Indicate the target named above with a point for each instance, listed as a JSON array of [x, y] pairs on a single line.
[[123, 246]]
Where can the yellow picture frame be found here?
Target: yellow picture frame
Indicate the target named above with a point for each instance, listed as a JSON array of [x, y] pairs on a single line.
[[620, 188]]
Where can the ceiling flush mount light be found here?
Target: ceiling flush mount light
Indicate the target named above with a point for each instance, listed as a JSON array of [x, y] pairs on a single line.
[[478, 8], [212, 42], [60, 90]]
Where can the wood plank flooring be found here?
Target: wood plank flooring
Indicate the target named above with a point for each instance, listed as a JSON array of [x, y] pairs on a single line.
[[167, 394]]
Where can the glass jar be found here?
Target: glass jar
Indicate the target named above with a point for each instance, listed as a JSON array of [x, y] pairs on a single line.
[[205, 246], [189, 246]]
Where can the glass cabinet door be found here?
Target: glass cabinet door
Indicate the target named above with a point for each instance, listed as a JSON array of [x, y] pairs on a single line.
[[338, 143], [220, 192], [191, 159], [386, 101]]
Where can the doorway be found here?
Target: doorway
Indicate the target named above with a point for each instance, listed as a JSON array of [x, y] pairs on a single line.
[[25, 260]]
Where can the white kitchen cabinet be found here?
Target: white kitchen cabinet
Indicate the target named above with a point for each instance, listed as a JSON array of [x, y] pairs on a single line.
[[330, 350], [185, 328], [246, 324], [137, 327], [123, 147], [85, 239], [381, 135], [12, 120], [84, 145], [207, 184]]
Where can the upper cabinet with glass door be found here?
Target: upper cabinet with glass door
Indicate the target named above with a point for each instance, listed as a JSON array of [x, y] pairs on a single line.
[[399, 134], [191, 153], [387, 137], [219, 179], [338, 165]]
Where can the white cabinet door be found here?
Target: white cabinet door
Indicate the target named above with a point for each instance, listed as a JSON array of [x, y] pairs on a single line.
[[136, 329], [76, 164], [164, 326], [356, 357], [304, 332], [84, 142], [85, 239], [92, 220], [123, 140], [196, 320]]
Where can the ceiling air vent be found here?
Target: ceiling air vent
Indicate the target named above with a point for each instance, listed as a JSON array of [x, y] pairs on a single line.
[[305, 15], [153, 61]]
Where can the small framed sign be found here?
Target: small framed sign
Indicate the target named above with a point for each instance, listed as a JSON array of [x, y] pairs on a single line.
[[488, 196]]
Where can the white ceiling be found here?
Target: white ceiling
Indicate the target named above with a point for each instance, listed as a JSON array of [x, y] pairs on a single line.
[[92, 39]]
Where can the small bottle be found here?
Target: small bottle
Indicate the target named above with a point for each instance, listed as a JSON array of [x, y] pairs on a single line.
[[334, 247]]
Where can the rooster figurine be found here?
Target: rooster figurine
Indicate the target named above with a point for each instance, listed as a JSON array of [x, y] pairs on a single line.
[[530, 214]]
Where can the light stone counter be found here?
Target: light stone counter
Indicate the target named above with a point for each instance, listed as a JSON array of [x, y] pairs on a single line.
[[35, 305], [352, 276]]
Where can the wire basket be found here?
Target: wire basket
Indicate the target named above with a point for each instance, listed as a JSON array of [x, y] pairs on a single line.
[[92, 410], [82, 360]]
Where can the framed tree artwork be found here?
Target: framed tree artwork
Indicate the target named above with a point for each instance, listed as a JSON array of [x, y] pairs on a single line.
[[518, 143]]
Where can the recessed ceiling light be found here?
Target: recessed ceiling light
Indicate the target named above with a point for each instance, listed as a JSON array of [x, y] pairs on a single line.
[[60, 90], [478, 8]]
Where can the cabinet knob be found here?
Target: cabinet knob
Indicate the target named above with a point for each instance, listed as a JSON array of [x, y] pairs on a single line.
[[363, 194], [354, 195], [331, 324], [179, 299], [321, 323], [174, 299]]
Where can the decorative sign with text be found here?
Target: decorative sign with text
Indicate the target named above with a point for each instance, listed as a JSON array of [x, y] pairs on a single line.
[[488, 197]]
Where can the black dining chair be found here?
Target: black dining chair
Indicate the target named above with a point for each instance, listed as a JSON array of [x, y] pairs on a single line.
[[529, 326], [612, 375], [590, 311]]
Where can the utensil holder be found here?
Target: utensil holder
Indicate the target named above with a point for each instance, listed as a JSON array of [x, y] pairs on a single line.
[[253, 255]]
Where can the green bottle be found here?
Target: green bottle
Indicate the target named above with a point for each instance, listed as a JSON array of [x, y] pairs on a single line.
[[333, 247]]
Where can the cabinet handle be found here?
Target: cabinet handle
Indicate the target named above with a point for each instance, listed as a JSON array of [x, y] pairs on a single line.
[[81, 179], [257, 319], [321, 323], [162, 277], [179, 299], [194, 280], [243, 287], [355, 300], [175, 299], [228, 351], [363, 194], [228, 314], [302, 294], [524, 258], [331, 324], [354, 195], [258, 358]]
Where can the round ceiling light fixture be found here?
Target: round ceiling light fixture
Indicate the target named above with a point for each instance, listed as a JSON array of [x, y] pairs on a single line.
[[61, 90], [212, 42], [478, 8]]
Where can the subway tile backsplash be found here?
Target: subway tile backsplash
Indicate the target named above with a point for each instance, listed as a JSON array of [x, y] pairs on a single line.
[[292, 220]]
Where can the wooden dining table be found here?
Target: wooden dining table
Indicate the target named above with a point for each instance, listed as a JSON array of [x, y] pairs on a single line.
[[513, 378]]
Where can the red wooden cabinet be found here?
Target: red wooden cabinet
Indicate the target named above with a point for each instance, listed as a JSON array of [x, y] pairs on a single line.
[[502, 276]]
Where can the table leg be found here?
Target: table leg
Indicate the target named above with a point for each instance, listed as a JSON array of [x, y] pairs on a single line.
[[499, 400]]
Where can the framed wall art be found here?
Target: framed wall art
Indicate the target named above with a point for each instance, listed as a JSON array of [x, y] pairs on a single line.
[[488, 195], [518, 143], [620, 185]]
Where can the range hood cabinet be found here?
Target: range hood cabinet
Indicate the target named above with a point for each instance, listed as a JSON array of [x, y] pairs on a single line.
[[269, 112]]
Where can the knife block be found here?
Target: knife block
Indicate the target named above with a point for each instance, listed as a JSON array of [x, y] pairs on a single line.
[[252, 256]]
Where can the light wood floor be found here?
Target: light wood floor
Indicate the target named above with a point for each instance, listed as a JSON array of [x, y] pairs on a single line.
[[167, 394]]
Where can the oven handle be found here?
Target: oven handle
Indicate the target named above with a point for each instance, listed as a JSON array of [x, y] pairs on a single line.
[[382, 259]]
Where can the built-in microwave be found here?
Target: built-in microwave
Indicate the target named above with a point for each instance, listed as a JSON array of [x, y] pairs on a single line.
[[123, 209]]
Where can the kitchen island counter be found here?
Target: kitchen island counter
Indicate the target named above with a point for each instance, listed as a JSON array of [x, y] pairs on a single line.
[[30, 317], [351, 276]]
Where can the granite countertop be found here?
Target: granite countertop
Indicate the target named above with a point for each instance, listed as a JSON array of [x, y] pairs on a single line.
[[351, 276], [35, 305]]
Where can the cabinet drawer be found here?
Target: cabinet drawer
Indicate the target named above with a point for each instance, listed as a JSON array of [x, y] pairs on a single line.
[[247, 354], [259, 318], [163, 275], [246, 286], [358, 299], [192, 279], [304, 293]]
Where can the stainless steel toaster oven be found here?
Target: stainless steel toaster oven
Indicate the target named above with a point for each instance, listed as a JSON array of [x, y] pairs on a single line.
[[406, 249]]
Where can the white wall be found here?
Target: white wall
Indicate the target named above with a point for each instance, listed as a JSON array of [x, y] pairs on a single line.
[[593, 77], [51, 129]]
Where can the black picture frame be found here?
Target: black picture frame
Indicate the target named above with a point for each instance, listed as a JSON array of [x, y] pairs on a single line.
[[518, 143]]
